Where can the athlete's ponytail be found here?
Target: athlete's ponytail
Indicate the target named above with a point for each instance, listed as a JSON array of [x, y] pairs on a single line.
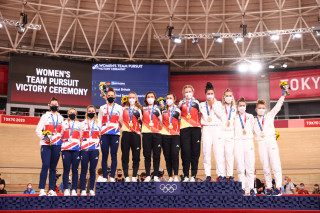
[[209, 86]]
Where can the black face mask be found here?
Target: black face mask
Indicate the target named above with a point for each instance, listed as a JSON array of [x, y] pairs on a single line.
[[91, 114], [54, 108], [110, 99], [72, 116], [120, 175]]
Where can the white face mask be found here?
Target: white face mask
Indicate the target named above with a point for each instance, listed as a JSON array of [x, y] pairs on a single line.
[[261, 111], [210, 97], [188, 95], [150, 100], [132, 101], [242, 109], [169, 102], [228, 99], [255, 176]]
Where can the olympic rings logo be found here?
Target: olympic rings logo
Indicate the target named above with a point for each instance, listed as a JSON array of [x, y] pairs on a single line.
[[168, 188]]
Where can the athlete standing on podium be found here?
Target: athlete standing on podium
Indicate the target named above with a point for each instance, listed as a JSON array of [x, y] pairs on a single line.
[[190, 133]]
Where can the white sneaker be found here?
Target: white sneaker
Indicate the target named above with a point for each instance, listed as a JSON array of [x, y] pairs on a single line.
[[92, 193], [84, 193], [148, 178], [176, 179], [170, 179], [134, 179], [112, 180], [52, 193], [104, 180], [156, 179], [186, 179], [127, 179], [66, 192], [42, 193], [192, 179], [74, 193]]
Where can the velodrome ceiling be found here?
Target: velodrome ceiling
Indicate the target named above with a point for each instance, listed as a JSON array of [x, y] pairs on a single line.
[[126, 31]]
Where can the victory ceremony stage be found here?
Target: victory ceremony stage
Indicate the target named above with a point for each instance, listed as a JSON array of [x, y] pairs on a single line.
[[164, 196]]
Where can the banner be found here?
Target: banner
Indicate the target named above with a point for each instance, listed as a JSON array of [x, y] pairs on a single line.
[[4, 70], [304, 84], [312, 123], [241, 85], [9, 119], [37, 79]]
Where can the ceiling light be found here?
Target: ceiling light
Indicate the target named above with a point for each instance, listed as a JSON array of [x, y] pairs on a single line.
[[284, 65], [271, 66], [1, 25], [238, 40], [177, 40], [275, 37], [219, 40], [297, 36], [243, 67], [255, 66]]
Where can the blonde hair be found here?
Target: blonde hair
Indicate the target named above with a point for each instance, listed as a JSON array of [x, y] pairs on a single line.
[[260, 101], [187, 86], [76, 113], [95, 118], [223, 101], [137, 104]]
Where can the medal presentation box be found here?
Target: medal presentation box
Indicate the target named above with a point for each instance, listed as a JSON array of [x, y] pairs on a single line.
[[201, 195]]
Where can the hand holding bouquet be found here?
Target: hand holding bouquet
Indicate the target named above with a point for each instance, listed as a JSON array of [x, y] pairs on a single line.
[[47, 136], [285, 87], [103, 88]]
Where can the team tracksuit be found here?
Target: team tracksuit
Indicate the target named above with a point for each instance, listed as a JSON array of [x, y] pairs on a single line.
[[110, 119], [70, 151], [171, 138], [131, 139], [190, 135], [49, 153], [267, 145], [151, 137], [90, 145]]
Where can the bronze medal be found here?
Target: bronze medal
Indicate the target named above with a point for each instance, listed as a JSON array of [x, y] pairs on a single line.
[[209, 119], [244, 132], [228, 123], [188, 116], [262, 135]]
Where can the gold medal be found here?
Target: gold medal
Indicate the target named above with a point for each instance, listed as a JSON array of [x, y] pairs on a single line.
[[262, 135], [209, 119], [244, 132], [170, 126], [188, 116], [151, 124], [130, 124], [228, 123]]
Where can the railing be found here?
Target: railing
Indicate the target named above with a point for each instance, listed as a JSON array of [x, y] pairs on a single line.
[[286, 117]]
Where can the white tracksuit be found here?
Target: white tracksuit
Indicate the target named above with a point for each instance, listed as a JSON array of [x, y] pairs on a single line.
[[244, 150], [268, 147], [211, 133], [226, 147]]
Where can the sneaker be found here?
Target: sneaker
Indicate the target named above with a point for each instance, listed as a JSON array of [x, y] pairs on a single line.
[[74, 193], [170, 179], [231, 179], [186, 179], [208, 179], [42, 193], [104, 180], [66, 192], [52, 193], [243, 192], [148, 179], [112, 180], [176, 179], [134, 179], [127, 179], [192, 179], [84, 193], [252, 192], [92, 193], [276, 192], [268, 192], [156, 179], [224, 179], [220, 179]]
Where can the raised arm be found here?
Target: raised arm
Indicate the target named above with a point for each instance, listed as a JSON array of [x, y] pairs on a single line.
[[278, 106]]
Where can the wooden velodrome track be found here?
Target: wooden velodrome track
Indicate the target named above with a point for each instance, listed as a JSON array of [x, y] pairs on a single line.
[[20, 160]]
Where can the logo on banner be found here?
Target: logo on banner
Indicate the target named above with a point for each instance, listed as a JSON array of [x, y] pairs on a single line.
[[168, 188]]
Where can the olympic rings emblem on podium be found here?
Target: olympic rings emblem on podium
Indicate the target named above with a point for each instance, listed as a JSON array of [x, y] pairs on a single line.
[[168, 188]]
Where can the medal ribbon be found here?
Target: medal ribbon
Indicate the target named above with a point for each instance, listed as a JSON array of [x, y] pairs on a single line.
[[245, 120], [171, 115], [151, 114], [260, 123], [92, 128], [229, 112], [71, 129], [55, 124], [190, 105], [131, 113], [109, 116]]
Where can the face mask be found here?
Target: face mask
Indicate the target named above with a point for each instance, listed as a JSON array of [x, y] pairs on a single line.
[[72, 116], [29, 187], [188, 95], [302, 187], [285, 182], [210, 97], [150, 100], [169, 102], [228, 99], [120, 175], [242, 109], [91, 114], [261, 111], [110, 99], [132, 101], [54, 108], [316, 187]]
